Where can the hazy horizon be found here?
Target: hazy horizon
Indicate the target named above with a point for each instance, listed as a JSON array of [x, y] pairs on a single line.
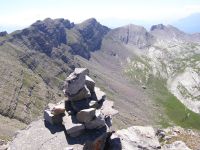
[[20, 14]]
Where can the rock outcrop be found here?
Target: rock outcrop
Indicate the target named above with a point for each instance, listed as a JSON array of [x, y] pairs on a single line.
[[4, 33], [132, 35]]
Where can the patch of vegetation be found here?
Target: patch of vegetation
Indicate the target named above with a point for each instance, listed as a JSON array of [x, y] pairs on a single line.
[[72, 37], [139, 69], [175, 110]]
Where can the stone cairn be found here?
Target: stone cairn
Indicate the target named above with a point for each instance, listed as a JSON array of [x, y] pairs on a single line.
[[86, 107]]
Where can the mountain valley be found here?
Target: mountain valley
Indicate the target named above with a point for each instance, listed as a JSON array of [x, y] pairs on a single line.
[[152, 76]]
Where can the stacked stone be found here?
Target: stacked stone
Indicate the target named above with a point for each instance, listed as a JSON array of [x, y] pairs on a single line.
[[86, 107]]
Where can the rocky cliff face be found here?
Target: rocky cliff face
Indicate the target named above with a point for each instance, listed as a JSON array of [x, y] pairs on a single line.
[[132, 35]]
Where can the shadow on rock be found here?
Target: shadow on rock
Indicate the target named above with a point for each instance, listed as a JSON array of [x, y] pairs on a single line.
[[113, 144], [54, 128], [89, 135]]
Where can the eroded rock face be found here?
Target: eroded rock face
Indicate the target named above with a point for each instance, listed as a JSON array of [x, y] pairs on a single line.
[[44, 35], [132, 35], [93, 32]]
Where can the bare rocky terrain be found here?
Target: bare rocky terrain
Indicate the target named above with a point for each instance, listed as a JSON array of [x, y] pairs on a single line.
[[148, 74]]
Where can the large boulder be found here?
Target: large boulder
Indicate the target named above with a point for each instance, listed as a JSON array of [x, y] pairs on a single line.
[[75, 81], [86, 115], [89, 83], [73, 128], [84, 93]]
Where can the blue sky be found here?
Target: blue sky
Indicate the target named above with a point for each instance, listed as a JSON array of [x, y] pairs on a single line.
[[17, 14]]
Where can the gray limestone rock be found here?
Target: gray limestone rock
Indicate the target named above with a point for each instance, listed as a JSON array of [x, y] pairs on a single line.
[[73, 128], [138, 138], [98, 94], [84, 93], [96, 123], [75, 81], [85, 115], [89, 83]]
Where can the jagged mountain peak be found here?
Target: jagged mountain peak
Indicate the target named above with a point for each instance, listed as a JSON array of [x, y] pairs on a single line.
[[170, 33], [163, 27], [48, 22], [157, 27], [89, 21], [132, 35]]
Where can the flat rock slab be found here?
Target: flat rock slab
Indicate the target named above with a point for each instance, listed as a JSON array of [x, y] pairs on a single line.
[[37, 136], [97, 123], [41, 136]]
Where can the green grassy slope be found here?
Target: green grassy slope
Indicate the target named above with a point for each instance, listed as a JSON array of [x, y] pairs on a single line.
[[175, 113]]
